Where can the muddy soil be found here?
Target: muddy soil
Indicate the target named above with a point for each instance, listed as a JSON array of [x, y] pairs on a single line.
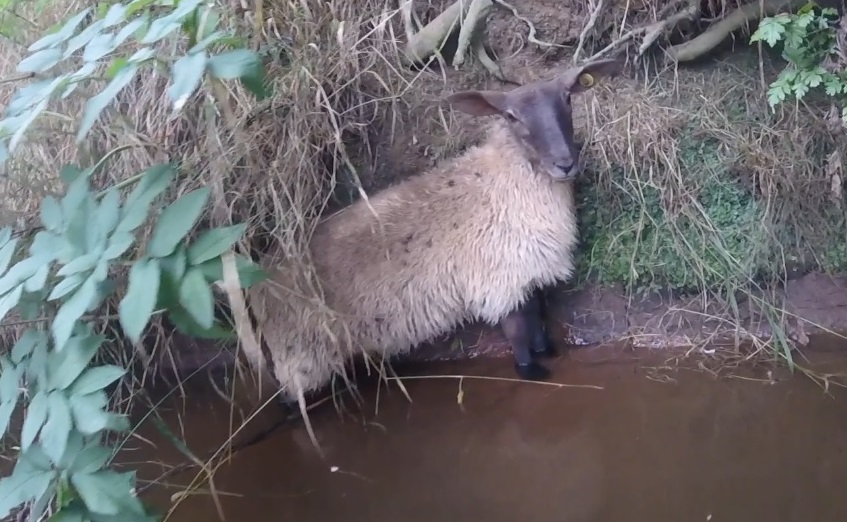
[[630, 438]]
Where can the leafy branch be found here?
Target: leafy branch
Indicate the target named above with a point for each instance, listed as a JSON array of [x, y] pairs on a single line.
[[64, 272], [103, 47], [807, 41]]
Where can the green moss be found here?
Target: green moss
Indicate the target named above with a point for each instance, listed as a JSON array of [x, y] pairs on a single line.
[[652, 230]]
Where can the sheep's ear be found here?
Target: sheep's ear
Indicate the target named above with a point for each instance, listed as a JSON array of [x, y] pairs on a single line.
[[478, 103], [581, 79]]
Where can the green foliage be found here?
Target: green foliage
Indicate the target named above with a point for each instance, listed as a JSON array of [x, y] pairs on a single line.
[[59, 278], [103, 42], [69, 406], [639, 234], [806, 39]]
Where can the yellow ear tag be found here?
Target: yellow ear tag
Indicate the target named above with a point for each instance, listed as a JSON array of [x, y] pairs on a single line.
[[586, 80]]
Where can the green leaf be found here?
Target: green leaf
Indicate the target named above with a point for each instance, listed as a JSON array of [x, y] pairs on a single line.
[[235, 64], [107, 492], [35, 416], [115, 67], [97, 378], [109, 211], [136, 307], [159, 28], [90, 459], [89, 413], [6, 410], [62, 34], [54, 434], [20, 271], [36, 371], [6, 252], [834, 86], [27, 97], [25, 122], [10, 300], [38, 280], [81, 264], [176, 221], [51, 214], [115, 14], [30, 479], [26, 344], [185, 324], [67, 285], [196, 298], [97, 103], [770, 30], [207, 41], [9, 379], [213, 243], [187, 73], [175, 264], [99, 46], [775, 96], [82, 39], [40, 61], [153, 182], [64, 367], [249, 273], [142, 55], [118, 244], [10, 390], [70, 312], [71, 513], [130, 28]]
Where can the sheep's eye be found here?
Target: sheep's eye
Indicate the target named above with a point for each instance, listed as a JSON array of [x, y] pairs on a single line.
[[511, 116]]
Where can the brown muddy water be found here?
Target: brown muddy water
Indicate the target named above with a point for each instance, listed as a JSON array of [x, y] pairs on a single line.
[[656, 443]]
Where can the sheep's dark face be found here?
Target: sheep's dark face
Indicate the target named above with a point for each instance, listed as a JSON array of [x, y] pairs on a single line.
[[540, 114]]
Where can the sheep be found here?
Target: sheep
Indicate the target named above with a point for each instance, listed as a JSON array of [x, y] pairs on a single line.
[[477, 237]]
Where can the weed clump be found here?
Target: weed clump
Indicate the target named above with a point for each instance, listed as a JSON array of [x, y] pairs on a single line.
[[698, 185]]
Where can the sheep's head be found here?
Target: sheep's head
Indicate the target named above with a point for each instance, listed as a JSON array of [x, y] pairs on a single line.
[[540, 115]]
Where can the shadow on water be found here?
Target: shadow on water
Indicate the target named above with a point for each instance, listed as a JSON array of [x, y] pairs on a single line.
[[653, 444]]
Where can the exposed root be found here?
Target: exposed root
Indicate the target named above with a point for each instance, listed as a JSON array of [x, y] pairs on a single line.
[[589, 27], [470, 18], [430, 39], [476, 13], [654, 31], [531, 37], [714, 35], [651, 33]]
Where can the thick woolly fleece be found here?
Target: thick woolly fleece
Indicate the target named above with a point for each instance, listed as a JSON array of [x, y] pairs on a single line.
[[466, 240]]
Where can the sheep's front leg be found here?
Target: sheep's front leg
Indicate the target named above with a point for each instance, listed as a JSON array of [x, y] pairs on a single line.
[[535, 309], [521, 329]]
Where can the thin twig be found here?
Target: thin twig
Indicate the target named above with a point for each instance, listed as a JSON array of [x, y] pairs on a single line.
[[489, 378], [592, 21]]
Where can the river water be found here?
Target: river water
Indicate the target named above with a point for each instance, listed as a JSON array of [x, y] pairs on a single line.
[[653, 444]]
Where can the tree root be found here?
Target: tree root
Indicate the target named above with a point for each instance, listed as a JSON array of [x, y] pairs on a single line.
[[469, 17], [429, 41], [714, 35], [592, 21], [652, 32]]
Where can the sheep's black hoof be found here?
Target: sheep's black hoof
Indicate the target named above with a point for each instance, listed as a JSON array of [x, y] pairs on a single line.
[[532, 371]]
